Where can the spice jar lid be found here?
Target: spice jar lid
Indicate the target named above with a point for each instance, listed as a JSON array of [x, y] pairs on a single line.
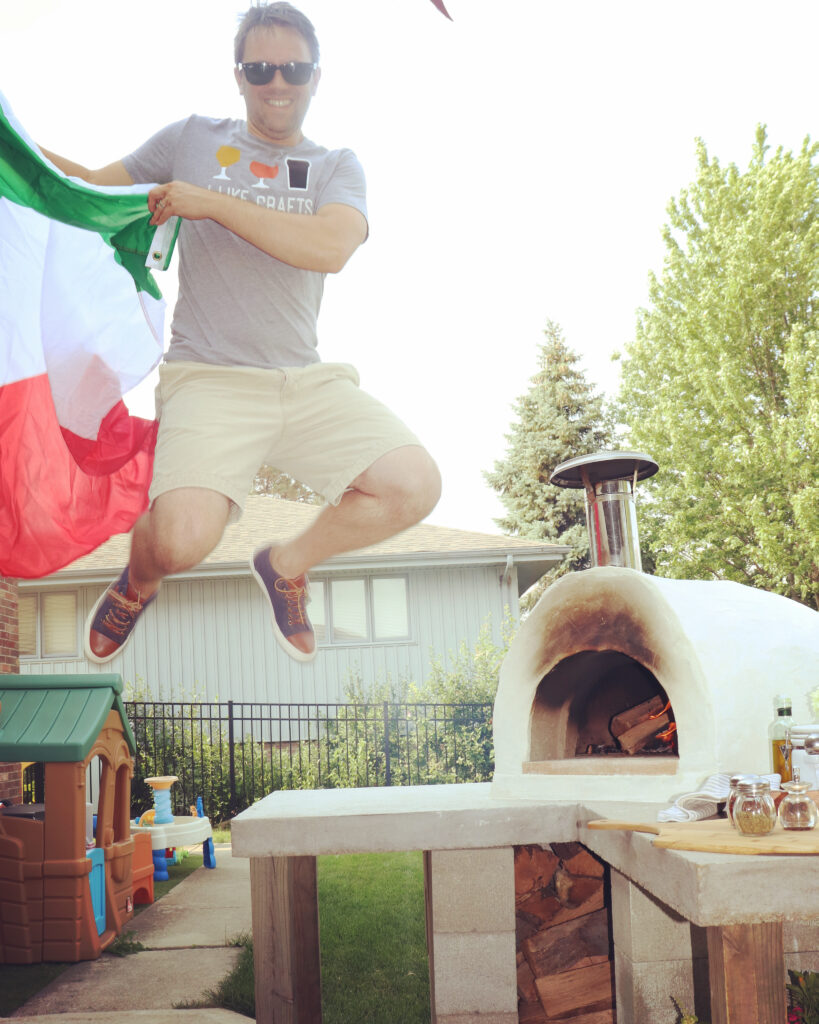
[[752, 785], [796, 787]]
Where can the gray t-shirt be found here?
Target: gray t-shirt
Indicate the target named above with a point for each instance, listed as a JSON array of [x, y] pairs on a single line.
[[237, 305]]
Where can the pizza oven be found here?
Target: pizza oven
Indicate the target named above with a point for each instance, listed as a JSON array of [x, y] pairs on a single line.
[[621, 685]]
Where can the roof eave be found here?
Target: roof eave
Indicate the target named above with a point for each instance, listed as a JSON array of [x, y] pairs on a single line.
[[341, 563]]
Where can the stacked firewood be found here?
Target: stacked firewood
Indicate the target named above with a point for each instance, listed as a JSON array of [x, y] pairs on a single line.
[[565, 959]]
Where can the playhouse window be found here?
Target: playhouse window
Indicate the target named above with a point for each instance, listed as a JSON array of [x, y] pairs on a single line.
[[360, 610], [48, 625]]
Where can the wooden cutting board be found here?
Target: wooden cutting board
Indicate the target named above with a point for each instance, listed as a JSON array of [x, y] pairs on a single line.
[[718, 836]]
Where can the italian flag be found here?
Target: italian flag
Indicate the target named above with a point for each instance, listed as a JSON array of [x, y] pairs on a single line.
[[81, 323]]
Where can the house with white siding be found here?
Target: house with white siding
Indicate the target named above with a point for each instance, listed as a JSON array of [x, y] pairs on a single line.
[[382, 612]]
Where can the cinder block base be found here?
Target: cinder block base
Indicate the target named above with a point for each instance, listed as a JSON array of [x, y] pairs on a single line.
[[658, 955], [471, 936], [645, 991], [801, 946]]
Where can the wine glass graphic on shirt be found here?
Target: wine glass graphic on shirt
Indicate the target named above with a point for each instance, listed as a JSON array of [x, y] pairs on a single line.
[[262, 171], [227, 156]]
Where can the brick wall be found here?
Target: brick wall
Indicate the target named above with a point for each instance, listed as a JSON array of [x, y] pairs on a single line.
[[10, 780], [9, 651]]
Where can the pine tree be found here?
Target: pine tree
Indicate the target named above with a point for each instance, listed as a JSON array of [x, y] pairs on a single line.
[[559, 417]]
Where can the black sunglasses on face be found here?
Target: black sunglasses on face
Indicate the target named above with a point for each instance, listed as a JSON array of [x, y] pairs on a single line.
[[295, 72]]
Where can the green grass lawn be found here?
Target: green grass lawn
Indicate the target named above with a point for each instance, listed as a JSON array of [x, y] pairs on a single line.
[[373, 944], [373, 939]]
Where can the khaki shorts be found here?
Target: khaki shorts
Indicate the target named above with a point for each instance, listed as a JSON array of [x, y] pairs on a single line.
[[219, 424]]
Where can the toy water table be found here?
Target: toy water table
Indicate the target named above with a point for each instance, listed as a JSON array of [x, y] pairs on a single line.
[[168, 831]]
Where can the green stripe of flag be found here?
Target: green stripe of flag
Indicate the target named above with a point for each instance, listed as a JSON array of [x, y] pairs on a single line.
[[121, 219]]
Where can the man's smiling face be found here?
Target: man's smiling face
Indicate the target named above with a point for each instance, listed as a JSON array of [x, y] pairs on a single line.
[[275, 111]]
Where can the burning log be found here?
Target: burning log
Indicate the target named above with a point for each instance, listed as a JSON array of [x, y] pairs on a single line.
[[635, 727], [627, 719]]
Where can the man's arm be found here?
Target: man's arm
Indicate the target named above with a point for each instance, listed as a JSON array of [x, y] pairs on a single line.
[[322, 242], [113, 174]]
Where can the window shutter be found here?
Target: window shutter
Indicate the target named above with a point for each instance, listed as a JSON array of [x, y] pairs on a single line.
[[59, 627], [27, 620]]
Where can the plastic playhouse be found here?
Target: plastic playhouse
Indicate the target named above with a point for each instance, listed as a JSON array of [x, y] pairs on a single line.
[[60, 901]]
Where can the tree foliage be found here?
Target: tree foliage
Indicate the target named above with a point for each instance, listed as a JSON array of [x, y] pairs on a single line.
[[272, 481], [720, 384], [558, 418]]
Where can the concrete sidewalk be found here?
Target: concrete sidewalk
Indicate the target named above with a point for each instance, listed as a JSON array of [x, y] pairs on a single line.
[[184, 934]]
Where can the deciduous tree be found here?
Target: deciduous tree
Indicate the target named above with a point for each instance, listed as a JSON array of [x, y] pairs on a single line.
[[720, 384], [272, 481]]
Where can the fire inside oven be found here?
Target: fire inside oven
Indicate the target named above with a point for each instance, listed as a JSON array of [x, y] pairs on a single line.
[[601, 704]]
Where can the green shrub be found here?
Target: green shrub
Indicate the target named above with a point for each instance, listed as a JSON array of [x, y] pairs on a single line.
[[388, 733]]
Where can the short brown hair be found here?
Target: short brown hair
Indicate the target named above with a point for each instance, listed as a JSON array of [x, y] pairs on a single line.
[[277, 13]]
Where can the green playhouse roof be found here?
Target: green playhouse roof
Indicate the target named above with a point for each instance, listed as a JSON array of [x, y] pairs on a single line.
[[57, 717]]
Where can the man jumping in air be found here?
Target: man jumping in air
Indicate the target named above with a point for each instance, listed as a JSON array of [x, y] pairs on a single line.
[[266, 213]]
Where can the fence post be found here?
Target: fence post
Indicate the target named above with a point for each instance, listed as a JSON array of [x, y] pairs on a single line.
[[231, 761], [387, 767]]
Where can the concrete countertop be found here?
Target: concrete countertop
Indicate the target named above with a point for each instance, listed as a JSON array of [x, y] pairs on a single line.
[[704, 888], [387, 819]]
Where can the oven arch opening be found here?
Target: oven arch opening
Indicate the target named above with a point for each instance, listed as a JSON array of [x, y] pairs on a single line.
[[576, 701]]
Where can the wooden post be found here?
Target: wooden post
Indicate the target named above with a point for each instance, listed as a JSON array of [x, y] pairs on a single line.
[[746, 966], [284, 899]]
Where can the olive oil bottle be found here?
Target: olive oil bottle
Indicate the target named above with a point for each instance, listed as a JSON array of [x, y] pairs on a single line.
[[779, 735]]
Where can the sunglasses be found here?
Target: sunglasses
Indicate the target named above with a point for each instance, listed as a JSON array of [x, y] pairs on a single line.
[[295, 72]]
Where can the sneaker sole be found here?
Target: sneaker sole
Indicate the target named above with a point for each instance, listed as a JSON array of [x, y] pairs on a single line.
[[281, 639]]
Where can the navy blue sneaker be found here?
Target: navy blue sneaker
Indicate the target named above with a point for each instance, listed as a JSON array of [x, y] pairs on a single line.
[[112, 620], [288, 602]]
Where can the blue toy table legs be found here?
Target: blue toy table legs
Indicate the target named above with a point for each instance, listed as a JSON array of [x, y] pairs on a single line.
[[208, 856], [160, 866]]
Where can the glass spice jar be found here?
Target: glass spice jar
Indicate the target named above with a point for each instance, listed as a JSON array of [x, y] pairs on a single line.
[[754, 810], [733, 794], [797, 810]]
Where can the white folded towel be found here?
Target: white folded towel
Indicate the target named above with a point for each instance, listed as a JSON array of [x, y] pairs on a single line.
[[703, 803]]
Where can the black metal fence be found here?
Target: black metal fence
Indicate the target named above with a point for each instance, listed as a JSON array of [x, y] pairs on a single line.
[[232, 753]]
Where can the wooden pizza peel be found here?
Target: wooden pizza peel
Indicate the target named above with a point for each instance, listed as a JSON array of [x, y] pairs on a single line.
[[717, 835]]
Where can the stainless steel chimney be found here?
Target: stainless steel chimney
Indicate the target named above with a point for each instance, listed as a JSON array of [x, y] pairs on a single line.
[[609, 480]]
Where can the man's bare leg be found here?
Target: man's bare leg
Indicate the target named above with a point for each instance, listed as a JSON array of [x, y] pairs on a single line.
[[181, 528], [397, 491]]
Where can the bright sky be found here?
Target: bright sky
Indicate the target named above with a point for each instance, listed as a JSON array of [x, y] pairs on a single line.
[[519, 161]]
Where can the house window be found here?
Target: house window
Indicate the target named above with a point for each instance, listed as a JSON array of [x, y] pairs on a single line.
[[390, 610], [48, 625], [372, 609]]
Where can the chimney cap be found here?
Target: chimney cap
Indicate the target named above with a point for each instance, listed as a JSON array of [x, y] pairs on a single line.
[[603, 466]]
